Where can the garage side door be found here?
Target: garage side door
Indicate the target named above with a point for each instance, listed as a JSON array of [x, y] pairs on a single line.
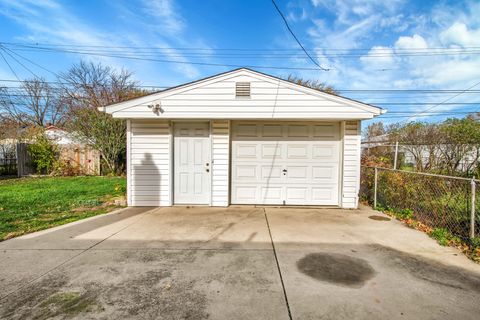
[[285, 163]]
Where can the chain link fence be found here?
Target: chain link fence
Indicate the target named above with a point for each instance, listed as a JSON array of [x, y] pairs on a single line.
[[437, 201]]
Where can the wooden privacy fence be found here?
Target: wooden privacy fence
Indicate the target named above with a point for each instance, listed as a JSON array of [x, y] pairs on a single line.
[[73, 160], [80, 159]]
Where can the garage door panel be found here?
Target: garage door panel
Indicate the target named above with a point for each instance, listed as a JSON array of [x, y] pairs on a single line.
[[309, 152], [298, 151], [325, 131], [246, 172], [325, 194], [297, 172], [245, 194], [244, 150], [270, 151], [325, 173], [326, 152], [298, 131], [271, 172], [246, 130], [272, 131]]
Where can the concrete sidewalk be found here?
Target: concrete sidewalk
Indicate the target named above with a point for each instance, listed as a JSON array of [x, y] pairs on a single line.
[[235, 263]]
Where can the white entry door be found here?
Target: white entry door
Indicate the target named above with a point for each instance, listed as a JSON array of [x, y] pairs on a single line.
[[292, 163], [192, 163]]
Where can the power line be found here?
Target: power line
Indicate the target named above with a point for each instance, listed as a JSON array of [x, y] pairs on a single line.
[[174, 54], [9, 66], [407, 91], [388, 49], [32, 62], [20, 63], [446, 100], [295, 37], [183, 62]]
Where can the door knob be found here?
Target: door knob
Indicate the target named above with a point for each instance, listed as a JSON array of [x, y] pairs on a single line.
[[208, 170], [284, 171]]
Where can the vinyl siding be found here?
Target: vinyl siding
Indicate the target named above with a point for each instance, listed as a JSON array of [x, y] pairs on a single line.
[[149, 158], [351, 164], [220, 133], [269, 100]]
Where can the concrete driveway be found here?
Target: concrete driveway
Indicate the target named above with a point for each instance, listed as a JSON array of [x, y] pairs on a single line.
[[235, 263]]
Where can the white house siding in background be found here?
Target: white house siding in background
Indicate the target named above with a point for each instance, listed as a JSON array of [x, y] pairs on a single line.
[[285, 106]]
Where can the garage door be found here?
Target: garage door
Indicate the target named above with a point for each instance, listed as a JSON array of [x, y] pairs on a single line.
[[285, 163]]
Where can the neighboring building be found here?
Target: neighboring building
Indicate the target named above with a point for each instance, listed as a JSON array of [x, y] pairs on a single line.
[[408, 158], [243, 137], [76, 157]]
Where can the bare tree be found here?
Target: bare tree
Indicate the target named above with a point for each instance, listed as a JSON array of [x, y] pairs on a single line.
[[89, 86], [35, 104], [374, 130]]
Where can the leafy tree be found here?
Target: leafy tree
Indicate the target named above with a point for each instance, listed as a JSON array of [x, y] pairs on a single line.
[[460, 142], [421, 140]]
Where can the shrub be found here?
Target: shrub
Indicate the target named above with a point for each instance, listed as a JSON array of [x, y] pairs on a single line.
[[44, 154]]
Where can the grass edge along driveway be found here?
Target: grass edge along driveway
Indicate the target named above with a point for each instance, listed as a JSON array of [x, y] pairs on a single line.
[[32, 204]]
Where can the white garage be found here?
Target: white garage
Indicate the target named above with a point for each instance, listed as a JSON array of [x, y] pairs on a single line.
[[243, 137]]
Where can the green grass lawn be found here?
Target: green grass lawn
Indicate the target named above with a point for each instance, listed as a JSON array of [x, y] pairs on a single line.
[[32, 204]]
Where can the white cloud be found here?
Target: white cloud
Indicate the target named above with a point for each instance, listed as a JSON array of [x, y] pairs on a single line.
[[414, 42], [379, 57], [49, 21], [459, 34], [386, 29], [165, 14]]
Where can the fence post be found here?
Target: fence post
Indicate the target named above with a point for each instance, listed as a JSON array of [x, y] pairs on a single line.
[[375, 189], [396, 156], [472, 209]]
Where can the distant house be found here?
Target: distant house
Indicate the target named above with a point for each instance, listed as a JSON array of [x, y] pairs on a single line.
[[74, 153], [425, 153], [75, 156]]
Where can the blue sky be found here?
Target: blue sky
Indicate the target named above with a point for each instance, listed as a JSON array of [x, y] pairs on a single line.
[[359, 41]]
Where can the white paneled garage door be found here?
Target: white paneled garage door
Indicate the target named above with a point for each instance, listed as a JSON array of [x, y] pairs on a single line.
[[285, 163]]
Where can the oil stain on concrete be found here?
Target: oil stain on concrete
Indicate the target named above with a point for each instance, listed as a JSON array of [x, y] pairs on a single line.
[[336, 268]]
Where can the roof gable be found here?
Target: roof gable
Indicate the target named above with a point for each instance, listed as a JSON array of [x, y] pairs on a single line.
[[271, 98]]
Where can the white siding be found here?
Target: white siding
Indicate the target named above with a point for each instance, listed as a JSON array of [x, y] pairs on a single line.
[[150, 163], [270, 99], [351, 164], [220, 133]]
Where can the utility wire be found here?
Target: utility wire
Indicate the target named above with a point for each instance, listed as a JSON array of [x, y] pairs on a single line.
[[10, 67], [181, 62], [382, 91], [20, 63], [444, 101], [295, 37], [33, 62], [136, 48]]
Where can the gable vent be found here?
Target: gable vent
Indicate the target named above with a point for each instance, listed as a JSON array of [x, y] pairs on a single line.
[[242, 89]]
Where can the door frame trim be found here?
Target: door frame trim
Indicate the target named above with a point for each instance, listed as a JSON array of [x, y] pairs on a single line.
[[172, 161]]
